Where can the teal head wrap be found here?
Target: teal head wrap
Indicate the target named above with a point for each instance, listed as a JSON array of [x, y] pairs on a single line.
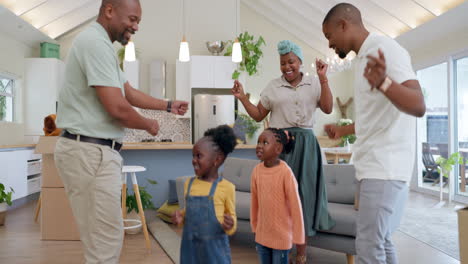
[[286, 46]]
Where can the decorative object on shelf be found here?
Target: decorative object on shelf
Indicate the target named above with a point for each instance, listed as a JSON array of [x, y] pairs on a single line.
[[445, 167], [5, 199], [344, 107], [347, 140], [215, 47], [184, 52], [251, 51]]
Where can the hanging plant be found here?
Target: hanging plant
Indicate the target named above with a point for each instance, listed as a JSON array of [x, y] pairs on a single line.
[[251, 54]]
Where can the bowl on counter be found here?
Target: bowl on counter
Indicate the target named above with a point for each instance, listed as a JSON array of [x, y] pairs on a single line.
[[215, 47]]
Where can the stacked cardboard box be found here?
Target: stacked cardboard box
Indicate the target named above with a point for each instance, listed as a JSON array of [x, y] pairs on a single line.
[[57, 221], [463, 234]]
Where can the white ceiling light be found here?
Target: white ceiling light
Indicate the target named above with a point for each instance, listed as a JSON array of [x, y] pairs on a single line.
[[130, 51], [236, 47], [184, 52]]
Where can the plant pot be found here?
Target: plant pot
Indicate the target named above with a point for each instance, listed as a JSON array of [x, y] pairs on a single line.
[[132, 223], [252, 140], [3, 211]]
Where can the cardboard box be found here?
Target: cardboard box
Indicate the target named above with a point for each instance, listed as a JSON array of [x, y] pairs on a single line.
[[57, 221], [463, 234], [50, 176]]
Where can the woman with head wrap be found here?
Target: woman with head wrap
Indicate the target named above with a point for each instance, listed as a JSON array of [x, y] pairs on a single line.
[[292, 100]]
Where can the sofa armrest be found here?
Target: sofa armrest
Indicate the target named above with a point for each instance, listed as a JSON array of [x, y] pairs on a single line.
[[180, 182]]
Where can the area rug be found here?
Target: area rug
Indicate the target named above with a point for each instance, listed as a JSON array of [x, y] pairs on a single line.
[[434, 226]]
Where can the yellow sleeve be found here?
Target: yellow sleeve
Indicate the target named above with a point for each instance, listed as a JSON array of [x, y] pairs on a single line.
[[230, 207]]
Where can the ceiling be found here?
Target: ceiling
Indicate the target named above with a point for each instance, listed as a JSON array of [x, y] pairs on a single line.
[[302, 18]]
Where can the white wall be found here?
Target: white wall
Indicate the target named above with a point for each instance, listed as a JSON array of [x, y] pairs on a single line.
[[256, 24], [12, 54], [160, 33]]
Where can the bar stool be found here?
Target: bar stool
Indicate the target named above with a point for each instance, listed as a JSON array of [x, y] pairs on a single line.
[[132, 170]]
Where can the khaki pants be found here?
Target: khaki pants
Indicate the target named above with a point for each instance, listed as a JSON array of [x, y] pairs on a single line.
[[91, 174]]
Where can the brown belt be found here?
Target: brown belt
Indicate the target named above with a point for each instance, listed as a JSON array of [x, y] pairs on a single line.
[[106, 142]]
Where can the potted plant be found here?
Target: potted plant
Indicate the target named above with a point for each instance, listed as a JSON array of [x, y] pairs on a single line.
[[251, 54], [5, 199], [132, 206], [250, 128], [446, 166], [347, 140]]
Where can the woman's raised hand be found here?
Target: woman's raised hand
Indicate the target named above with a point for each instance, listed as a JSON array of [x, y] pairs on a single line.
[[322, 68], [238, 90]]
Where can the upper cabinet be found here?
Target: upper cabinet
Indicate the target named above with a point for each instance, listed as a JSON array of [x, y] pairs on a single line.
[[43, 79], [211, 71]]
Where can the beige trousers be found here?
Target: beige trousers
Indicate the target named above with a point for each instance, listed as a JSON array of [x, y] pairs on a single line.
[[91, 174]]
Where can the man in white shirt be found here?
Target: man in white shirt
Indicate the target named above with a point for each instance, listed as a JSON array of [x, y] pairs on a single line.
[[387, 97]]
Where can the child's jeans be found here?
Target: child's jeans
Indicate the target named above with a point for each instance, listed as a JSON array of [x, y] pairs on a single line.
[[272, 256]]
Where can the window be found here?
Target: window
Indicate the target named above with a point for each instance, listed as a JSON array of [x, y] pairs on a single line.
[[7, 92], [433, 127]]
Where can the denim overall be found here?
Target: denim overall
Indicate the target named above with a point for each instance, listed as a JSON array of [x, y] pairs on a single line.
[[204, 241]]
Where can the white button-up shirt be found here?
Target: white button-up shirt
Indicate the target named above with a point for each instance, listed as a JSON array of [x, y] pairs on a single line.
[[386, 137], [292, 106]]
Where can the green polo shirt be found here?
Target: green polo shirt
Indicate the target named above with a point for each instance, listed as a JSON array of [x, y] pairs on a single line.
[[92, 61]]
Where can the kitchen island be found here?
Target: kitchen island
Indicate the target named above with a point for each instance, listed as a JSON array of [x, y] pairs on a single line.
[[165, 161]]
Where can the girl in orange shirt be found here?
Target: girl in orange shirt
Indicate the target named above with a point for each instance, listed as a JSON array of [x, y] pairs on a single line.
[[275, 211]]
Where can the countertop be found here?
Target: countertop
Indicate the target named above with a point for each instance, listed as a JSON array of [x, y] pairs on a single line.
[[139, 146]]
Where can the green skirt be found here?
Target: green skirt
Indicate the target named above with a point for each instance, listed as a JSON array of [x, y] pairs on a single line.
[[306, 162]]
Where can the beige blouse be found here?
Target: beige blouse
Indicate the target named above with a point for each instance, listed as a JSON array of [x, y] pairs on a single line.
[[292, 106]]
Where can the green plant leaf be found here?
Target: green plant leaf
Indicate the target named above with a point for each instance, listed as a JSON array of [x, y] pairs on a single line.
[[235, 75]]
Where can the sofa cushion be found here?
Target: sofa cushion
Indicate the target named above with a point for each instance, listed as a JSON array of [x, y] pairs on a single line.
[[238, 172], [345, 217], [341, 183], [243, 205]]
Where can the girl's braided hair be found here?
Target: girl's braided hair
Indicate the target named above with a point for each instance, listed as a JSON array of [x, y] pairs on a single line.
[[283, 138]]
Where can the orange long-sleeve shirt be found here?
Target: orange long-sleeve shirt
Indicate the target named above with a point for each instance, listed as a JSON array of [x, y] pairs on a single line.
[[276, 211]]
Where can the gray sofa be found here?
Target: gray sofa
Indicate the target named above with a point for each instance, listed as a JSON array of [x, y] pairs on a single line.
[[341, 188]]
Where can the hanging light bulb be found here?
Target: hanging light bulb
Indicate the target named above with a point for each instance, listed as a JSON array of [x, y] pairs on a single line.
[[184, 53], [236, 52], [130, 51], [236, 47]]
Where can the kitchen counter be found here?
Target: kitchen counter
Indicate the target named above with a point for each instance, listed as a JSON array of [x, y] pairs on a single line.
[[3, 147], [138, 146], [168, 145]]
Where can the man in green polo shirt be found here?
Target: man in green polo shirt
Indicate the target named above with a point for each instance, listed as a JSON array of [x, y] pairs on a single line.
[[95, 105]]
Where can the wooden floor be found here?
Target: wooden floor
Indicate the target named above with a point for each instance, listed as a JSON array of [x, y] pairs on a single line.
[[20, 243]]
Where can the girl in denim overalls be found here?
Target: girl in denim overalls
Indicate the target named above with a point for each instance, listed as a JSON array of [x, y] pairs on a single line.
[[210, 214]]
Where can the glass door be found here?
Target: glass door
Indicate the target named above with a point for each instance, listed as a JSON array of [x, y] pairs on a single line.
[[461, 100], [433, 128]]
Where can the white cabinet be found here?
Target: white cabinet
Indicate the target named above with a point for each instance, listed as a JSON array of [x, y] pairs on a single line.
[[211, 71], [224, 67], [201, 71], [14, 171], [43, 79], [132, 73]]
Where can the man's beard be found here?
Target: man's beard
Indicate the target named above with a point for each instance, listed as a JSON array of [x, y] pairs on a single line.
[[342, 54]]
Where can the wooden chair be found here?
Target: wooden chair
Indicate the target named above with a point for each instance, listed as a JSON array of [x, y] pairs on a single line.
[[429, 163]]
